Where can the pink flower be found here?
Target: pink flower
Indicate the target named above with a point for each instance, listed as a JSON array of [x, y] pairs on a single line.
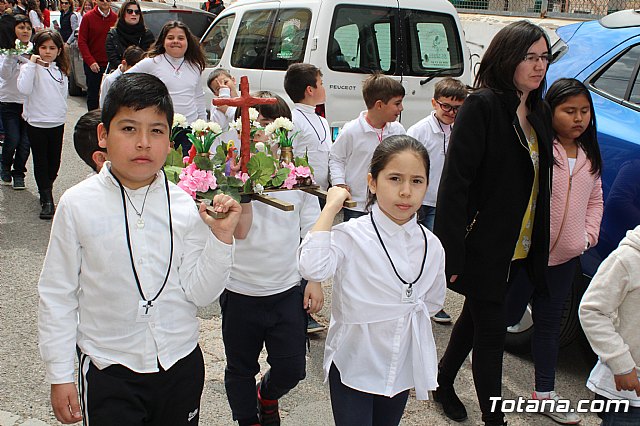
[[290, 181], [186, 160], [242, 176], [303, 171], [193, 180]]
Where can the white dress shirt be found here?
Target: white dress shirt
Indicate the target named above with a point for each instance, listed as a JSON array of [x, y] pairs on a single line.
[[435, 136], [314, 139], [352, 152], [107, 81], [88, 293], [38, 84], [184, 87], [223, 119], [266, 260], [379, 344]]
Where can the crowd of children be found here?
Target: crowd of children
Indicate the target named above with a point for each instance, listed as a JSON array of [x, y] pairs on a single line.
[[137, 340]]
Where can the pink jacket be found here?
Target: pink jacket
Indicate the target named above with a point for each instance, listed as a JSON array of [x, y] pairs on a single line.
[[576, 207]]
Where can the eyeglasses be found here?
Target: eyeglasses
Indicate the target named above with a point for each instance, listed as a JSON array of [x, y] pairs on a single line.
[[447, 107], [64, 2], [532, 58], [133, 11]]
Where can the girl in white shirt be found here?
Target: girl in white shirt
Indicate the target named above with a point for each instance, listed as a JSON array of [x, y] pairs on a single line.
[[177, 59], [43, 80], [388, 279]]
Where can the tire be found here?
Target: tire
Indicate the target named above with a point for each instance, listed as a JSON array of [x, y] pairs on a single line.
[[518, 339], [74, 89]]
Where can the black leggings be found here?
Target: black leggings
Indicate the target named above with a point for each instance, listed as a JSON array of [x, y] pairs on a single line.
[[353, 407], [46, 147]]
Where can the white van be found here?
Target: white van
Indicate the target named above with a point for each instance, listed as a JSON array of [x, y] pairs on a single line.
[[415, 41]]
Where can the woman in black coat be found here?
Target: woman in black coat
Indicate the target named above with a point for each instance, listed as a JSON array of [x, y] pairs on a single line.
[[129, 30], [492, 212]]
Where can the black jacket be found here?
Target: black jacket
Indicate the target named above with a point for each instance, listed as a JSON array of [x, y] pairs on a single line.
[[65, 24], [118, 41], [488, 176]]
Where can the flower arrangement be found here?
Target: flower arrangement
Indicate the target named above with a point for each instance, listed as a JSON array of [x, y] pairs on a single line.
[[20, 49], [203, 173], [279, 132]]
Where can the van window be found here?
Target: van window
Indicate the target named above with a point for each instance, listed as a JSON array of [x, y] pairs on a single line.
[[362, 39], [250, 45], [213, 45], [433, 43], [288, 39]]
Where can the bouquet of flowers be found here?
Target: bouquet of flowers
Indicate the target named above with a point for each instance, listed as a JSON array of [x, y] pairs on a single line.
[[20, 49]]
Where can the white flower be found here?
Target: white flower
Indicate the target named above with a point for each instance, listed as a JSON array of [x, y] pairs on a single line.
[[259, 189], [253, 114], [260, 147], [283, 123], [256, 124], [236, 125], [179, 120], [214, 127], [199, 125], [270, 129]]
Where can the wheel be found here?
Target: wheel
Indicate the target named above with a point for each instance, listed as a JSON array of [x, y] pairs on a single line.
[[74, 89], [518, 339]]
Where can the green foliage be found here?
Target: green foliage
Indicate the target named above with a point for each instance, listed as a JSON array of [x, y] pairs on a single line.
[[175, 158], [173, 173], [196, 142], [280, 177], [209, 194], [203, 163], [220, 155], [260, 168]]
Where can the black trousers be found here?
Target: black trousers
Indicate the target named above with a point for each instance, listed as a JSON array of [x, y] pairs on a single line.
[[353, 407], [117, 396], [481, 327], [277, 322], [46, 147], [94, 79]]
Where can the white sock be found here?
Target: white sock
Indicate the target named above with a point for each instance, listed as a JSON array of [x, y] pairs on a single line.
[[543, 395]]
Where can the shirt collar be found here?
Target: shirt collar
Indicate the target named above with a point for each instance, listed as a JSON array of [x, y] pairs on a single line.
[[305, 108], [436, 125], [366, 127], [389, 226], [108, 178], [102, 13]]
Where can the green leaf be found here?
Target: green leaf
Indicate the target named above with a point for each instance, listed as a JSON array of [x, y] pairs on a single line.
[[196, 142], [280, 177], [203, 163], [260, 168], [234, 182], [173, 173], [220, 156], [174, 158], [247, 188], [209, 194]]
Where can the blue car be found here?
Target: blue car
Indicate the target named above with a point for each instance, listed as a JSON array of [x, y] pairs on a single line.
[[605, 55]]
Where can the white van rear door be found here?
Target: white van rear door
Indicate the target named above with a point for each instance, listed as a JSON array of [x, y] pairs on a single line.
[[434, 47], [355, 38]]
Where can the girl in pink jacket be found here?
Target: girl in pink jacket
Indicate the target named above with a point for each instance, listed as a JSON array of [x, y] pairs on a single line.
[[576, 212]]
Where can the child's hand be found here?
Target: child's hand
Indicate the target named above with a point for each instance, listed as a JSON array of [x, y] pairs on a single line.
[[628, 382], [336, 196], [64, 401], [345, 186], [223, 229], [313, 299], [34, 58]]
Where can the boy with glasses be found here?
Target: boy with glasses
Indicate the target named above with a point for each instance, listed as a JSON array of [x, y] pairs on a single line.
[[434, 132]]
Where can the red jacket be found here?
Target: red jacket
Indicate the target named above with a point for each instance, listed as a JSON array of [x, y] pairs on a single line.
[[92, 36]]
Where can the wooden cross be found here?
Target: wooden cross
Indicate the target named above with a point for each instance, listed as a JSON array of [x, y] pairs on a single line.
[[244, 100]]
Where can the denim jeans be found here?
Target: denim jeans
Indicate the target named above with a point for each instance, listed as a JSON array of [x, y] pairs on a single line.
[[630, 418], [427, 216], [15, 150]]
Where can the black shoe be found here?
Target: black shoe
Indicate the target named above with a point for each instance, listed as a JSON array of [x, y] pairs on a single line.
[[451, 404], [313, 326], [48, 208], [268, 412]]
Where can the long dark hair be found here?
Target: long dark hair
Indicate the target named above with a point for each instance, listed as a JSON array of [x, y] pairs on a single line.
[[62, 60], [558, 93], [193, 54], [384, 152], [8, 32], [505, 52]]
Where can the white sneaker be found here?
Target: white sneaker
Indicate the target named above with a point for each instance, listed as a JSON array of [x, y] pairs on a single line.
[[570, 418]]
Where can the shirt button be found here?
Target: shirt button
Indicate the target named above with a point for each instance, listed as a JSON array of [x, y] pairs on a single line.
[[140, 261]]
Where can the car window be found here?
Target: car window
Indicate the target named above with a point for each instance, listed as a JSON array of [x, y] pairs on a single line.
[[362, 39], [433, 44], [288, 39], [197, 22], [214, 43], [250, 45], [615, 79], [635, 91]]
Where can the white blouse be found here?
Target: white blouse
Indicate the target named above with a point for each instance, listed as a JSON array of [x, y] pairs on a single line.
[[380, 344]]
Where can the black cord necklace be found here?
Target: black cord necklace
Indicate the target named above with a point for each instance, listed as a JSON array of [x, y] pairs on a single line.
[[149, 302], [424, 235], [55, 79], [324, 136], [176, 71], [444, 136]]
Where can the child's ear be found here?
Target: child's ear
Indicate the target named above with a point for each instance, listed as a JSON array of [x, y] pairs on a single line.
[[371, 182], [379, 104], [99, 157], [102, 135], [433, 103]]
